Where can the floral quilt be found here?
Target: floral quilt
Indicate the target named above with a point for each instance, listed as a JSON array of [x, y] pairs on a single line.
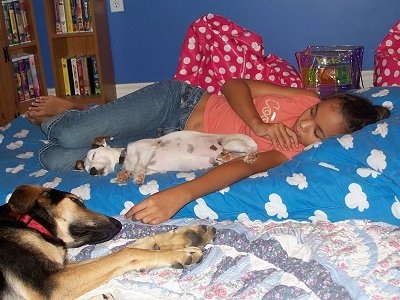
[[267, 260]]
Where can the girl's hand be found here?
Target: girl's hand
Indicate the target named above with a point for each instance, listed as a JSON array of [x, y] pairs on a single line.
[[158, 207], [281, 136]]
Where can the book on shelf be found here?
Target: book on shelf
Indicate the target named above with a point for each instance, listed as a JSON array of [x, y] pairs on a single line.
[[25, 22], [16, 21], [17, 77], [94, 76], [72, 5], [22, 84], [75, 78], [13, 21], [78, 15], [29, 78], [24, 78], [32, 65], [19, 21], [25, 74], [70, 76], [80, 75], [72, 16], [68, 15], [64, 66], [86, 17], [7, 21], [57, 18], [86, 80], [59, 12]]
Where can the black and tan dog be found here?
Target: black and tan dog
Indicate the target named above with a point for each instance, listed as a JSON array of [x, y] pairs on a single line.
[[38, 224]]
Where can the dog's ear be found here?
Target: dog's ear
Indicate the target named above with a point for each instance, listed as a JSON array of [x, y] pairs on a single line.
[[24, 197], [79, 165], [100, 141]]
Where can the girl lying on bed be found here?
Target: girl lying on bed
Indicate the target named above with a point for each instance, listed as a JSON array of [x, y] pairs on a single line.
[[282, 120]]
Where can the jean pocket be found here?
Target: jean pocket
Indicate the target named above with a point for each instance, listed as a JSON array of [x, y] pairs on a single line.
[[166, 130], [186, 96]]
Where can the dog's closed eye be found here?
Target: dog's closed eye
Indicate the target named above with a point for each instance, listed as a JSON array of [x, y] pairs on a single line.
[[78, 201]]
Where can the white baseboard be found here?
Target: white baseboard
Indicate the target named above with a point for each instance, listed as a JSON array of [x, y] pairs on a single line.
[[122, 89], [126, 88], [51, 91], [367, 78]]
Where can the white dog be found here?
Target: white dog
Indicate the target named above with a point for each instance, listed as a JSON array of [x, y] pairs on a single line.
[[177, 151]]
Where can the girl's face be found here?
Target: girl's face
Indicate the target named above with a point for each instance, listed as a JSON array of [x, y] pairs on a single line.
[[319, 122]]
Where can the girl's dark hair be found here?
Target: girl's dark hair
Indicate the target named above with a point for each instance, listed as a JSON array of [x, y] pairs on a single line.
[[358, 111]]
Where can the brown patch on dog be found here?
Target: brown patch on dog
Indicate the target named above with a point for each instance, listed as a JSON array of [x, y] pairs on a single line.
[[163, 143], [100, 141], [213, 147], [190, 148]]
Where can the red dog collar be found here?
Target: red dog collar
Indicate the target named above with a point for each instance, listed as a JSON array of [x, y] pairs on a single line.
[[31, 223]]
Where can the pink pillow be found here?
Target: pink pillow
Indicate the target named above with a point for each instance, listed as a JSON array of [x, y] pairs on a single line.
[[387, 59], [216, 49]]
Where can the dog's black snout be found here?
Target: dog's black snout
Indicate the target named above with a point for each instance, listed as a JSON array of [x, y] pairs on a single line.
[[102, 230], [118, 225], [93, 171]]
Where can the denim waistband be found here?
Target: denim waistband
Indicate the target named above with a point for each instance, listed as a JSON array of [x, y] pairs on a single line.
[[190, 97]]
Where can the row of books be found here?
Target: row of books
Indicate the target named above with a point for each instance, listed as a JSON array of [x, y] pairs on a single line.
[[16, 20], [72, 16], [25, 73], [80, 75]]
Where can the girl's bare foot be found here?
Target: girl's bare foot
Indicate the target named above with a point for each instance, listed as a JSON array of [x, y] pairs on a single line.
[[45, 107]]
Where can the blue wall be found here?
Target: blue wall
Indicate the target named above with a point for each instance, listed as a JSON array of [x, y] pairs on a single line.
[[146, 38]]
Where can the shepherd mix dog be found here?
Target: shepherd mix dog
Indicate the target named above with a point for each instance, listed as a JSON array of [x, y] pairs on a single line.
[[38, 225], [177, 151]]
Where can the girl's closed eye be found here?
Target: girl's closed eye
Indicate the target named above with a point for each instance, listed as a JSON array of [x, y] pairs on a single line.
[[318, 132], [313, 110]]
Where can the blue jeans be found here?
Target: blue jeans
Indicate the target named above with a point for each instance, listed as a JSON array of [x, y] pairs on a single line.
[[150, 112]]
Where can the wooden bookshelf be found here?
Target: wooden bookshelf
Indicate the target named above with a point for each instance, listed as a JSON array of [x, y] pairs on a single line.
[[82, 43], [11, 105]]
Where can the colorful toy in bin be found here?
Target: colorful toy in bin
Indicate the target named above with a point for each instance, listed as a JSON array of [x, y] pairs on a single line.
[[329, 70]]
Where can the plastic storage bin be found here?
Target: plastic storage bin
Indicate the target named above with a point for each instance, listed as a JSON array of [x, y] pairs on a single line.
[[329, 70]]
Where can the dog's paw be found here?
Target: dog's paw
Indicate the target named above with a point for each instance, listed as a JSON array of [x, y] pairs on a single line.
[[178, 238], [194, 236], [123, 176], [224, 157], [79, 165], [186, 257], [250, 157], [139, 178]]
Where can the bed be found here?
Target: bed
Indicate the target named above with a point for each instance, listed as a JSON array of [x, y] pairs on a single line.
[[324, 225]]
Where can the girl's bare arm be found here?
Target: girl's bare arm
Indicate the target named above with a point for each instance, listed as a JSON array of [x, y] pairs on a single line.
[[163, 205], [240, 94]]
